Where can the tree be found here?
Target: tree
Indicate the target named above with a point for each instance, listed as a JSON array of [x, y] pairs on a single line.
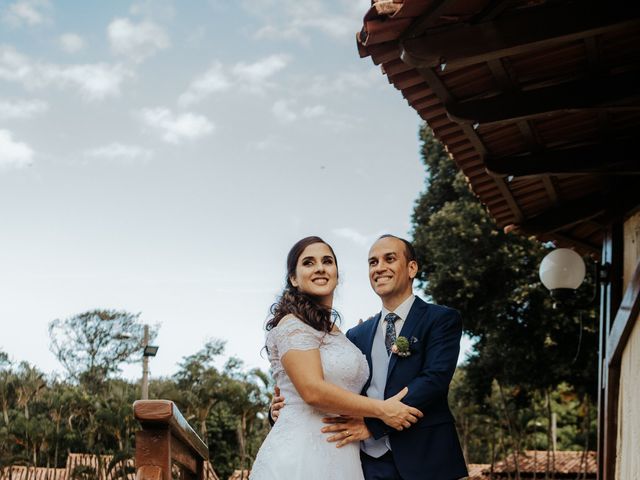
[[45, 418], [7, 386], [467, 263], [94, 344], [248, 399], [201, 383]]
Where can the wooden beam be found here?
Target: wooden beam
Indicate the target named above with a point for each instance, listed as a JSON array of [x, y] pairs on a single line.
[[581, 244], [618, 92], [608, 376], [562, 217], [520, 32], [625, 319], [605, 159], [506, 83], [165, 413], [427, 19], [445, 96], [492, 10]]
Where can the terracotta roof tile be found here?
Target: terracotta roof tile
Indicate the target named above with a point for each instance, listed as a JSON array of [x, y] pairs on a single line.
[[564, 462], [610, 53]]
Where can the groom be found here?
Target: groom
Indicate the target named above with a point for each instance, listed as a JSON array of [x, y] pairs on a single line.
[[429, 449]]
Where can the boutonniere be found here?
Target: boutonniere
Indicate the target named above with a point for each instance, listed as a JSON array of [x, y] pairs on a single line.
[[402, 346]]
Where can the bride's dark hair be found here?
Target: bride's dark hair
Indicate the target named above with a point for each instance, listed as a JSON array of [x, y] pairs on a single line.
[[303, 306]]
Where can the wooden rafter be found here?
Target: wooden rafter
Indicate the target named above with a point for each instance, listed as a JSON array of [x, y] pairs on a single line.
[[586, 247], [517, 33], [427, 19], [604, 159], [506, 83], [445, 96], [562, 217], [619, 92], [493, 9]]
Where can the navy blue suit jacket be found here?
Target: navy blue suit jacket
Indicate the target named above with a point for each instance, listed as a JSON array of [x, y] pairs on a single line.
[[430, 449]]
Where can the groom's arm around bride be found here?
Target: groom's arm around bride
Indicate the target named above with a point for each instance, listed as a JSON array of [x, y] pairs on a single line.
[[430, 448]]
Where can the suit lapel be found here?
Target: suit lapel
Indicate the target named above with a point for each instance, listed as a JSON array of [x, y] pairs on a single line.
[[412, 320]]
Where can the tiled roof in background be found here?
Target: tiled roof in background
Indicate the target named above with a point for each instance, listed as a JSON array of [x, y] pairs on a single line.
[[561, 462], [81, 461], [533, 463]]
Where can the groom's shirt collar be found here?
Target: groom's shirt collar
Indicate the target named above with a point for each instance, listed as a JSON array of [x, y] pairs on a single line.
[[401, 310]]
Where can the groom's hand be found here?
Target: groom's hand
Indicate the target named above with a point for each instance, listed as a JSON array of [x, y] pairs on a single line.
[[277, 402], [345, 429]]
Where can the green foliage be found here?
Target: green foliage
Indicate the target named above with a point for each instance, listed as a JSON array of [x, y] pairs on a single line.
[[92, 345], [523, 346], [44, 419]]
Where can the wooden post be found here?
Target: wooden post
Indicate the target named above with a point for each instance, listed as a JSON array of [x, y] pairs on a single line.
[[166, 439]]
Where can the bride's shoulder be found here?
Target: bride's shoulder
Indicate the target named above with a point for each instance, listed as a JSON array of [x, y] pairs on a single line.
[[290, 323], [290, 319]]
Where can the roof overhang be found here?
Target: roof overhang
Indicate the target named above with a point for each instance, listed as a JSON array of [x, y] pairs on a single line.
[[538, 102]]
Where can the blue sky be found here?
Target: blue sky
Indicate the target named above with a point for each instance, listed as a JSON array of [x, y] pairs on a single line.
[[162, 157]]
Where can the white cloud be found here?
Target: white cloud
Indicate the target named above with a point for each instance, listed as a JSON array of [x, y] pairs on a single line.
[[176, 128], [283, 112], [355, 236], [349, 82], [213, 80], [95, 81], [271, 142], [255, 74], [136, 41], [251, 77], [71, 42], [14, 154], [28, 12], [22, 109], [314, 111], [159, 9], [294, 19], [119, 151]]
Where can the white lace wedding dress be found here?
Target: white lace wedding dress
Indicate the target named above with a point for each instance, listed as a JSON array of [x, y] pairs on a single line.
[[295, 447]]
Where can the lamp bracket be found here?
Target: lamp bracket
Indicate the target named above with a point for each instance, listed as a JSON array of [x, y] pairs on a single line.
[[604, 273]]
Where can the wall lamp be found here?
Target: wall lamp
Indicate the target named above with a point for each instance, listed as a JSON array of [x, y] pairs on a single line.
[[562, 271]]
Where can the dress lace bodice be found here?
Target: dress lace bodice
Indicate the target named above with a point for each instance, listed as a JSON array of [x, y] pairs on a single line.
[[343, 363], [295, 447]]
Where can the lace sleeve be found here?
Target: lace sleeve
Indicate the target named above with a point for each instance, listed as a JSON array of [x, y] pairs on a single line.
[[294, 334]]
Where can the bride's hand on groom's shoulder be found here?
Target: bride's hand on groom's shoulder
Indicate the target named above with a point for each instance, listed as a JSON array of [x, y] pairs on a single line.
[[397, 414], [345, 429]]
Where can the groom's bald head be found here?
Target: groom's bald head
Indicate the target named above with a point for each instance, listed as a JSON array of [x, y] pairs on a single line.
[[409, 251]]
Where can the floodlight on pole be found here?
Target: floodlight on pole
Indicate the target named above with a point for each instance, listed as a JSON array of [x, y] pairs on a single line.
[[148, 351]]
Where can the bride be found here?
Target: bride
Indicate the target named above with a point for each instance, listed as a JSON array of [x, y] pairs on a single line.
[[319, 372]]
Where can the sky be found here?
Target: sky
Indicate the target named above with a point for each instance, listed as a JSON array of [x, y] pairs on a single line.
[[161, 157]]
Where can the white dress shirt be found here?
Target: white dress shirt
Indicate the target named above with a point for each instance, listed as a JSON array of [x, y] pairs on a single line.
[[379, 366]]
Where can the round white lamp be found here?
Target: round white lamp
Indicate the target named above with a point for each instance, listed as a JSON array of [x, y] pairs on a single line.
[[562, 271]]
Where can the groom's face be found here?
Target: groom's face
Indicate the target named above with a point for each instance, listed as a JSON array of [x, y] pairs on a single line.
[[390, 273]]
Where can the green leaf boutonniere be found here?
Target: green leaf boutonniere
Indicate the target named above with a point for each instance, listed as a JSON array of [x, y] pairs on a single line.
[[401, 347]]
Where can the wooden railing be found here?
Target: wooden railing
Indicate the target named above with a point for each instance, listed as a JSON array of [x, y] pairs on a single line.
[[167, 443]]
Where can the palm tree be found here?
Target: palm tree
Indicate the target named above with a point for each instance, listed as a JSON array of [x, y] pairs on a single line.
[[7, 386], [30, 384]]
